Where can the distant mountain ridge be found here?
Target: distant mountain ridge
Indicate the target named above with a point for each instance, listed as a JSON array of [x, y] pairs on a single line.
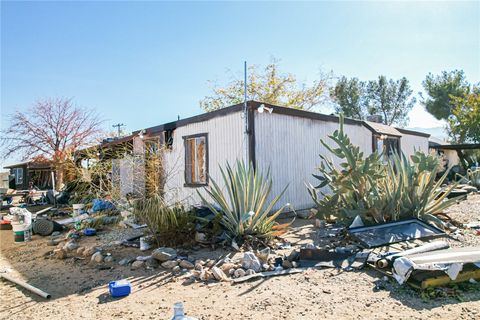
[[438, 132]]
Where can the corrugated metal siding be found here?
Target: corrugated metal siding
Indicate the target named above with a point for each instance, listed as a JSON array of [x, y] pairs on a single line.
[[410, 143], [290, 146], [225, 144]]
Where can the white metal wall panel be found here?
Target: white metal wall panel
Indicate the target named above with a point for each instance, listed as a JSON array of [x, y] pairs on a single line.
[[225, 144], [290, 146], [411, 143]]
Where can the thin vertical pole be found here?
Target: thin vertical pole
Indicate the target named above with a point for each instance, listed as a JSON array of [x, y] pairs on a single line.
[[245, 116]]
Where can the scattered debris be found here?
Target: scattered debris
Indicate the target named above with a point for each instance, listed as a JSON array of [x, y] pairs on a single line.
[[268, 274], [393, 232]]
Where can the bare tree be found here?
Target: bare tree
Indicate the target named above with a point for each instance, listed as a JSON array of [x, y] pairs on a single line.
[[52, 128]]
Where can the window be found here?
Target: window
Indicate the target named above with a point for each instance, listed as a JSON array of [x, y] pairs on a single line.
[[386, 144], [168, 136], [196, 160], [19, 176]]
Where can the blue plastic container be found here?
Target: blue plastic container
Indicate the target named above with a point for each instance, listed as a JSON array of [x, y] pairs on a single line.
[[89, 231], [120, 288]]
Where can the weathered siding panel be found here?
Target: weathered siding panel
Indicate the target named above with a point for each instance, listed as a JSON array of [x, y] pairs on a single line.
[[410, 143], [290, 146], [225, 144]]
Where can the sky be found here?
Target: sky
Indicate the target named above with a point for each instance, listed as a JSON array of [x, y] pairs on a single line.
[[146, 63]]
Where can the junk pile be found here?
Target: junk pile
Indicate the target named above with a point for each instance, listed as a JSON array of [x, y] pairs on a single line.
[[406, 250]]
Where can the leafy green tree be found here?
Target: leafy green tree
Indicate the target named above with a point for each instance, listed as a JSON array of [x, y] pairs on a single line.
[[442, 90], [464, 124], [386, 97], [271, 86], [391, 99], [350, 98]]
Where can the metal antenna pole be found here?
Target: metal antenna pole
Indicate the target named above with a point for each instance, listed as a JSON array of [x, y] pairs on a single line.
[[245, 115], [118, 126]]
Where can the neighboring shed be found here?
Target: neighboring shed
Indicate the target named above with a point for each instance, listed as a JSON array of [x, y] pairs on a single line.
[[27, 174], [285, 140]]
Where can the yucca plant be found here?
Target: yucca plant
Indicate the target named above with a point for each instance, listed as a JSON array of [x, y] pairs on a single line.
[[365, 186], [416, 191], [244, 206], [168, 224]]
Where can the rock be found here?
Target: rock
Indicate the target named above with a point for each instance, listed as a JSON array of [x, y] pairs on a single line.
[[164, 254], [185, 264], [250, 261], [97, 257], [195, 273], [200, 262], [200, 237], [60, 253], [249, 272], [188, 281], [198, 266], [137, 265], [89, 251], [205, 275], [70, 246], [320, 223], [176, 269], [239, 273], [80, 251], [304, 214], [294, 255], [55, 233], [231, 272], [226, 267], [287, 264], [152, 263], [210, 263], [169, 264], [219, 274], [108, 259], [125, 261], [263, 255], [295, 264]]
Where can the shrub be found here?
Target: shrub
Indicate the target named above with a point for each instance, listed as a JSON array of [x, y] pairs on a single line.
[[170, 225], [243, 207], [375, 191]]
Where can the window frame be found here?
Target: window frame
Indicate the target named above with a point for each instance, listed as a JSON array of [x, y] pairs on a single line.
[[18, 177], [185, 139]]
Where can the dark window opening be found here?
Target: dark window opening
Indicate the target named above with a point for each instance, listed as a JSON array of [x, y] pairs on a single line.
[[387, 145], [168, 135]]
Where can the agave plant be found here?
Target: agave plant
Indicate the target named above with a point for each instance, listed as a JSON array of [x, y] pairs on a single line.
[[244, 206]]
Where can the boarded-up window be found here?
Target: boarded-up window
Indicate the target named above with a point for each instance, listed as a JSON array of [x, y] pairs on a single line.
[[196, 160]]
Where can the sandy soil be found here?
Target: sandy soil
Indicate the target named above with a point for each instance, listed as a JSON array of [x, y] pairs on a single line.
[[79, 289]]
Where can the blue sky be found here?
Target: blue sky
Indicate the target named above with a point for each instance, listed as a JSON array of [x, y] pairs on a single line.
[[144, 63]]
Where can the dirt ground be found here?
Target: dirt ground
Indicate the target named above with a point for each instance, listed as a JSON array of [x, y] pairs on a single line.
[[79, 289]]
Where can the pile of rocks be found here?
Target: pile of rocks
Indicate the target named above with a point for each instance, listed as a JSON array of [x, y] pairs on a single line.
[[251, 263]]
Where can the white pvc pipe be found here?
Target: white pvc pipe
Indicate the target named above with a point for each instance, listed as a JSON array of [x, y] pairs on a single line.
[[26, 286]]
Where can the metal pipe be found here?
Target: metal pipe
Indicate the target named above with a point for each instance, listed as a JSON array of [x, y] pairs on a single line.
[[245, 116], [26, 286]]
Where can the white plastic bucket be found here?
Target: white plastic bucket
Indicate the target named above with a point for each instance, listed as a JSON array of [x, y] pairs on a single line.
[[21, 232], [78, 208]]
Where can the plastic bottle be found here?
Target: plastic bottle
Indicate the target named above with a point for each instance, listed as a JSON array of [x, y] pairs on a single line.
[[179, 313]]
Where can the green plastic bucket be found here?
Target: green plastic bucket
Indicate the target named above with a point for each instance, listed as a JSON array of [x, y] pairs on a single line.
[[19, 236]]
